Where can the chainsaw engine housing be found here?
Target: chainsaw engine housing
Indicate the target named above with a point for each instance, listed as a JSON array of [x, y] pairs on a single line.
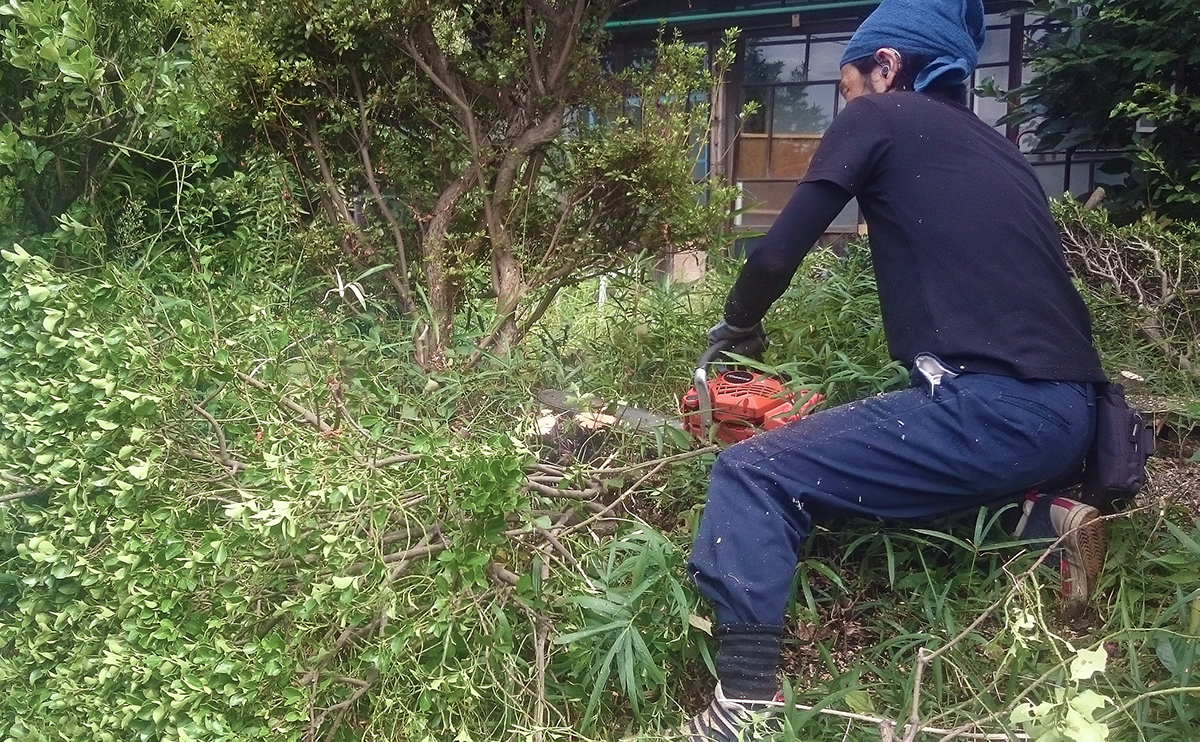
[[744, 403]]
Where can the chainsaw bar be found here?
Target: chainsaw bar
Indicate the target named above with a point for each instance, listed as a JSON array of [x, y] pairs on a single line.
[[611, 415]]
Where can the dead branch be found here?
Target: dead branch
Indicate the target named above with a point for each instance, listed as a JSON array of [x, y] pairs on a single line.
[[570, 494], [603, 512], [208, 457], [558, 547], [428, 546], [403, 458], [605, 472], [348, 636], [1153, 277], [500, 573], [339, 709], [411, 554]]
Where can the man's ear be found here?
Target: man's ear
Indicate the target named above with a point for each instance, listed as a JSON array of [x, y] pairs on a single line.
[[889, 65]]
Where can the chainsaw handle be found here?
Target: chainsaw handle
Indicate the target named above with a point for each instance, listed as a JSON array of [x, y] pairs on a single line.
[[713, 351], [700, 383], [703, 399]]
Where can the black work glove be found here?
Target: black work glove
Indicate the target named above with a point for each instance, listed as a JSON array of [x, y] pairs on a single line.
[[745, 341]]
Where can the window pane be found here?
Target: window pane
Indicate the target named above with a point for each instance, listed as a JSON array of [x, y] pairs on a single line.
[[767, 63], [763, 200], [756, 123], [804, 109], [1051, 176], [847, 220], [1081, 175], [995, 46], [1026, 137], [823, 58], [751, 156], [791, 154]]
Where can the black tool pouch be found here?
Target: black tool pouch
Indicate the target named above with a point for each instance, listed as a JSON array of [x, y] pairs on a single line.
[[1116, 465]]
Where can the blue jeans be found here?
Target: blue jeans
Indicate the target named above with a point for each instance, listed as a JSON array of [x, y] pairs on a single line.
[[928, 451]]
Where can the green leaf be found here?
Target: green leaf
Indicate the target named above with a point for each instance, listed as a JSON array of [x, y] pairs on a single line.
[[1188, 542], [578, 635], [16, 256], [1088, 662], [1165, 651], [859, 701], [140, 472]]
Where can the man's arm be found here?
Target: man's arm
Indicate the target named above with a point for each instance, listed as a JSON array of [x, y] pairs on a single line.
[[770, 267]]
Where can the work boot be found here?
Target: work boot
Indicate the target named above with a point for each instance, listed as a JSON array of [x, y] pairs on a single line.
[[1080, 554], [729, 720]]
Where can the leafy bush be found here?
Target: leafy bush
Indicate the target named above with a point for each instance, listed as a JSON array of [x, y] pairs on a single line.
[[466, 155], [641, 344], [90, 93], [225, 518], [829, 329], [236, 515], [1103, 67]]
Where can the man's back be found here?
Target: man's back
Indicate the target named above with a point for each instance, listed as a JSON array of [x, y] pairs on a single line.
[[967, 256]]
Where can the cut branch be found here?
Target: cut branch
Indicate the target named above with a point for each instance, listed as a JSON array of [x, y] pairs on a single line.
[[21, 494], [283, 402], [223, 457]]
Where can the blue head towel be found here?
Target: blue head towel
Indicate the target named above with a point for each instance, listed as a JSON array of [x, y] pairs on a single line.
[[950, 31]]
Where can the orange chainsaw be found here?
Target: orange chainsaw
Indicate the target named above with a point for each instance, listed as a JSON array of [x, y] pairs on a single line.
[[737, 402], [731, 406]]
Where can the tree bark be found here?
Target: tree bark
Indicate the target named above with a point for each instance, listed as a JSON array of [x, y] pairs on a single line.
[[436, 268]]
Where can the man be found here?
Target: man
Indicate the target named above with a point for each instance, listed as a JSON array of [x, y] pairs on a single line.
[[975, 296]]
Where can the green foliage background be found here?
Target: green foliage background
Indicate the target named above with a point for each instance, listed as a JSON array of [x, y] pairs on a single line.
[[232, 506], [1103, 67]]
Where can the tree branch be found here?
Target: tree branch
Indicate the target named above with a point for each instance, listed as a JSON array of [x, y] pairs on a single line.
[[285, 403], [223, 457], [22, 494], [400, 284]]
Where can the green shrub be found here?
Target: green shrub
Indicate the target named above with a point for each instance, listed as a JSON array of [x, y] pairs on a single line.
[[1142, 285]]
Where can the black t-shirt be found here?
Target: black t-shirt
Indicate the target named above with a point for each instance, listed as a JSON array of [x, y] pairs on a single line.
[[967, 256]]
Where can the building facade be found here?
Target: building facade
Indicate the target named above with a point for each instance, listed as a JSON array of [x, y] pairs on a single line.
[[786, 70]]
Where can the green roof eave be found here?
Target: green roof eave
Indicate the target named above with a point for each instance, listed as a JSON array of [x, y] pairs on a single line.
[[734, 15]]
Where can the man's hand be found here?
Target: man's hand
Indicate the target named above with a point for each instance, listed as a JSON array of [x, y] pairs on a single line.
[[745, 341]]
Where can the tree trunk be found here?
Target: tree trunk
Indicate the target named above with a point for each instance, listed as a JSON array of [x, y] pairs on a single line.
[[435, 264], [509, 286]]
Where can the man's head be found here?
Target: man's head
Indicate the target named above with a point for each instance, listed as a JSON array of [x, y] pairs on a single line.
[[913, 45]]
